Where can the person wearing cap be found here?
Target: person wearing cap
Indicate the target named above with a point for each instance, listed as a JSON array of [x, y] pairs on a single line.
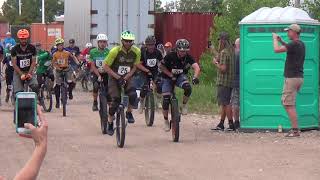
[[43, 61], [293, 72], [75, 51], [8, 40], [168, 47], [225, 66]]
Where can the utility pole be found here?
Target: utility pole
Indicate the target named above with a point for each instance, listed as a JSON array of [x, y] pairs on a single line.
[[43, 14], [19, 7]]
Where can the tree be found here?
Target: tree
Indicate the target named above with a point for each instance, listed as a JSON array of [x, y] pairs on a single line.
[[313, 7], [31, 11], [158, 7], [233, 11], [194, 6]]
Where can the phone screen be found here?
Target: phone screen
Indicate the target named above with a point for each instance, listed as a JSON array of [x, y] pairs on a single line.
[[26, 111]]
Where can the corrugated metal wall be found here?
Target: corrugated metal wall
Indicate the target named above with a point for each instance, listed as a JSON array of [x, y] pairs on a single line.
[[195, 27], [77, 20]]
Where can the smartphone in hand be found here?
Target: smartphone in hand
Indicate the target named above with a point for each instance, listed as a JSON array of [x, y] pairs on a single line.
[[26, 111]]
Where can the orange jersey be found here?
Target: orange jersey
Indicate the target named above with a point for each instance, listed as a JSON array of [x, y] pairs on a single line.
[[60, 59]]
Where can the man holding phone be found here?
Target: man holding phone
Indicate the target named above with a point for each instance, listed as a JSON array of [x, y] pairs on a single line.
[[293, 72], [24, 61]]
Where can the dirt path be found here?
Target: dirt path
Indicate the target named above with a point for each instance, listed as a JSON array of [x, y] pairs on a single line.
[[78, 150]]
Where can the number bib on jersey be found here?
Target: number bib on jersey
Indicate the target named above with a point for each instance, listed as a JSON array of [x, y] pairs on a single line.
[[99, 63], [177, 71], [151, 62], [61, 61], [24, 63], [122, 70]]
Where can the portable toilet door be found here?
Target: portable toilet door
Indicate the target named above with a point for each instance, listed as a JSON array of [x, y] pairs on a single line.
[[261, 70]]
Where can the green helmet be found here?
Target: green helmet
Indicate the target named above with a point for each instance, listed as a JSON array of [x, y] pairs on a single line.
[[58, 41], [127, 35]]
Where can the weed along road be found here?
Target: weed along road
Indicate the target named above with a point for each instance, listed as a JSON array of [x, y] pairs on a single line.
[[78, 150]]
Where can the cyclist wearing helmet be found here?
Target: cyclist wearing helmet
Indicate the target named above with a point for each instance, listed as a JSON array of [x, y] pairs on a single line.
[[8, 70], [60, 63], [75, 51], [168, 47], [85, 52], [43, 57], [120, 64], [175, 67], [97, 56], [150, 57], [24, 62]]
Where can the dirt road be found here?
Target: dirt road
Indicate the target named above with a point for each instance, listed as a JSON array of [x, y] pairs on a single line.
[[77, 150]]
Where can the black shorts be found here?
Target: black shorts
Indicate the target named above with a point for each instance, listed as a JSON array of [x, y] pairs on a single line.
[[224, 95]]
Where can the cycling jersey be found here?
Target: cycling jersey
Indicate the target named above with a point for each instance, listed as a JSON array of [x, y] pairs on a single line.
[[97, 57], [151, 60], [60, 58], [177, 65], [43, 57], [76, 52], [7, 60], [24, 58], [122, 61]]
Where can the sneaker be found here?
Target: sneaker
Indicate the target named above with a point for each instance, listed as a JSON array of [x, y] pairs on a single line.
[[142, 105], [95, 106], [237, 124], [184, 109], [293, 133], [166, 125], [220, 127], [110, 130], [231, 127], [130, 118]]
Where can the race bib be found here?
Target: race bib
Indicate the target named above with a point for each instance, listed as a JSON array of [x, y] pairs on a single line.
[[8, 54], [177, 71], [61, 61], [10, 63], [24, 63], [99, 63], [151, 62], [122, 70]]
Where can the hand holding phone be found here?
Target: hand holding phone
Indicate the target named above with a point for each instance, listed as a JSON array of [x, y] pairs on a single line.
[[26, 111]]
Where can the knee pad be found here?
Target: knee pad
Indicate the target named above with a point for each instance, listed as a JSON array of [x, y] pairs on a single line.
[[187, 89], [114, 106], [166, 102], [132, 97]]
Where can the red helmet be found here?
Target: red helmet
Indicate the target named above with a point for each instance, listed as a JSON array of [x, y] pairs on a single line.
[[23, 34]]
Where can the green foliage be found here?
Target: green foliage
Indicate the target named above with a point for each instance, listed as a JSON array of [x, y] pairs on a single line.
[[233, 11], [194, 6], [31, 11], [313, 7], [158, 7]]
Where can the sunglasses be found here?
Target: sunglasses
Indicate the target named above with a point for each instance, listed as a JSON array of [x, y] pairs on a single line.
[[128, 41]]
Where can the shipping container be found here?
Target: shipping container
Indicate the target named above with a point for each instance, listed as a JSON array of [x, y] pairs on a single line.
[[46, 33], [109, 16], [4, 28], [195, 27]]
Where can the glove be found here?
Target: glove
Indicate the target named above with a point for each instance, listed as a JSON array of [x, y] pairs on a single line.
[[195, 81], [99, 79], [29, 76], [121, 81], [150, 75]]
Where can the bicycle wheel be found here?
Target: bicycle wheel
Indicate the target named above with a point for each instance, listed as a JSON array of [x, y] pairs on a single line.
[[46, 95], [175, 120], [120, 127], [149, 109], [103, 112], [64, 97]]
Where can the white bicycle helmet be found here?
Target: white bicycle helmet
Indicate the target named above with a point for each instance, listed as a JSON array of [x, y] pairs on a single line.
[[102, 37], [88, 45]]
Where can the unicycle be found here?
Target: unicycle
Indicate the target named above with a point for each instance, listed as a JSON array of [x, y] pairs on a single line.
[[175, 115], [103, 108], [149, 108]]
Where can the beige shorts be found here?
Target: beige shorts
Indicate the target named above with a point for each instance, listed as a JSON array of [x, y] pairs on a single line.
[[290, 88]]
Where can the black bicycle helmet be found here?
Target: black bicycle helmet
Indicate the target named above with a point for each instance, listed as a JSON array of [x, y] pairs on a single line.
[[182, 45], [150, 40]]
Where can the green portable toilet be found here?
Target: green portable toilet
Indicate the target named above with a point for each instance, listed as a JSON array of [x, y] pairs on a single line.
[[261, 70]]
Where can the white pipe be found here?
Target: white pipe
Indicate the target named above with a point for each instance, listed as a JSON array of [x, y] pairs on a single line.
[[43, 10], [19, 7]]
